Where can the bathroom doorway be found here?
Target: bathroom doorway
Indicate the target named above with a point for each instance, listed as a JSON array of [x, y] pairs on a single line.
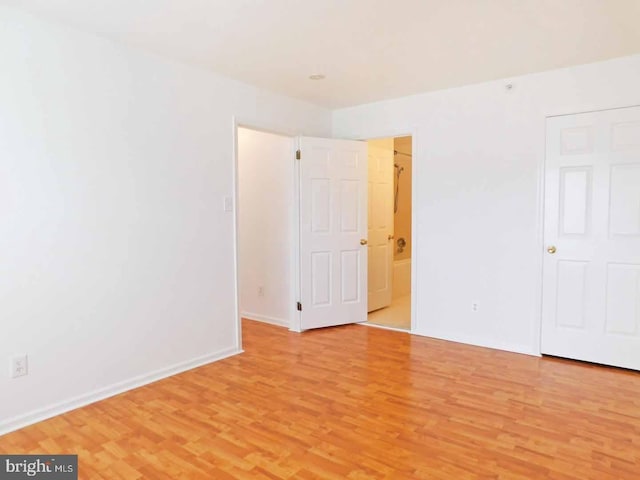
[[389, 254]]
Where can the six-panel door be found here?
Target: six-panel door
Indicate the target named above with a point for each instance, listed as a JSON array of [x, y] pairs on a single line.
[[591, 279], [333, 232]]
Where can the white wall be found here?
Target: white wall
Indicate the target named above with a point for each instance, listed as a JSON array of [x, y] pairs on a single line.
[[477, 162], [116, 255], [265, 186]]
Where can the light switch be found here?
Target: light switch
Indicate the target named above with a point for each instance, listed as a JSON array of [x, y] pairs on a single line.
[[228, 204]]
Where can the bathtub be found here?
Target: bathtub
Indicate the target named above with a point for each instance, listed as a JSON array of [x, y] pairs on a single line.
[[401, 278]]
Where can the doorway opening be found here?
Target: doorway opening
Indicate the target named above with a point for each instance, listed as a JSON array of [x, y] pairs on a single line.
[[317, 245], [389, 254], [264, 226]]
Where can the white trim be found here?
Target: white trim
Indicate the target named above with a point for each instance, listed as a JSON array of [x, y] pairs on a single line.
[[415, 169], [281, 322], [236, 279], [588, 109], [296, 316], [536, 338], [383, 327], [44, 413], [473, 340]]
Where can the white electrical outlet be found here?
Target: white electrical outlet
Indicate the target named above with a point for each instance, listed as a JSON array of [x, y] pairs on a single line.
[[474, 307], [261, 291], [19, 366]]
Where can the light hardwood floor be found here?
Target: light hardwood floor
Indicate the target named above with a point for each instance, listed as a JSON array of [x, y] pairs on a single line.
[[358, 403]]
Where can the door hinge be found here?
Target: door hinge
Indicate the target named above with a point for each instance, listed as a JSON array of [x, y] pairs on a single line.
[[299, 307], [298, 155]]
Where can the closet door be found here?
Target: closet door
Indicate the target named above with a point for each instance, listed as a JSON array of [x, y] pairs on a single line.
[[591, 280]]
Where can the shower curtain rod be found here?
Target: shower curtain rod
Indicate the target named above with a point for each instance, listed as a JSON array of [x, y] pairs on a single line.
[[396, 152]]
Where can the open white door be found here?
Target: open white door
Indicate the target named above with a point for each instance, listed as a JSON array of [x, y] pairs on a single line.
[[380, 234], [333, 229], [591, 289]]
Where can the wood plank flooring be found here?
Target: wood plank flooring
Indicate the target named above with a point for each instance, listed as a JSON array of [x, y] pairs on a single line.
[[358, 403]]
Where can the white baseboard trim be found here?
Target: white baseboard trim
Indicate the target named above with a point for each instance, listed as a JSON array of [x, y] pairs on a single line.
[[265, 318], [480, 342], [383, 327], [40, 414]]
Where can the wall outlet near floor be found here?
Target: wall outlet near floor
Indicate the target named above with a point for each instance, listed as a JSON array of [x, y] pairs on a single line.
[[261, 291], [19, 366], [474, 306]]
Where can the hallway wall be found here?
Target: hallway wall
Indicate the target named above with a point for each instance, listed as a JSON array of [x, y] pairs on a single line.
[[265, 227]]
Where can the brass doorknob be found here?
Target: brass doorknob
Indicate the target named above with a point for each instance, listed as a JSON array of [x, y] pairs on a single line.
[[551, 249], [363, 241]]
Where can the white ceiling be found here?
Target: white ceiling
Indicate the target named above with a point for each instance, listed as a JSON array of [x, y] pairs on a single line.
[[369, 50]]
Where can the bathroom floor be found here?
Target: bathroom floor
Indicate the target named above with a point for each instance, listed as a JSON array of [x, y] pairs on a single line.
[[397, 315]]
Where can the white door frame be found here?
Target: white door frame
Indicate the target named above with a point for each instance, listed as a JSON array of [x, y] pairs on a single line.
[[252, 124]]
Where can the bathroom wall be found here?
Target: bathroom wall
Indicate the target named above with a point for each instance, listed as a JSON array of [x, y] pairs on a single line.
[[402, 218]]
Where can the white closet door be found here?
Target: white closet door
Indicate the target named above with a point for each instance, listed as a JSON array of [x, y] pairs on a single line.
[[591, 283]]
